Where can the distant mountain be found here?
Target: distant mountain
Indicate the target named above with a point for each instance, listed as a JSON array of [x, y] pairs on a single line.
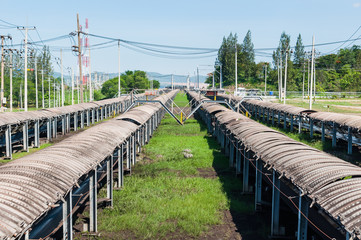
[[164, 79]]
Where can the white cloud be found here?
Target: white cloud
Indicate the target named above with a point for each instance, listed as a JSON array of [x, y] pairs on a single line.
[[356, 5]]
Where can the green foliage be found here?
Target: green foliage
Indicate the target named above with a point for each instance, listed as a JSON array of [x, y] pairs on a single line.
[[299, 52], [156, 84], [128, 80]]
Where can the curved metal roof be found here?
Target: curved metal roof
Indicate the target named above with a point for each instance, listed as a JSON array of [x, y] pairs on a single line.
[[323, 177], [31, 184]]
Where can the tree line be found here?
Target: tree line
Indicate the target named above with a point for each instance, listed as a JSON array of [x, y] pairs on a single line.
[[129, 80], [334, 72]]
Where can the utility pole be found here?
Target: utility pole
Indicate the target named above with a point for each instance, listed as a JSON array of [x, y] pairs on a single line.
[[36, 84], [118, 68], [285, 85], [303, 80], [314, 80], [62, 78], [26, 66], [312, 60], [42, 87], [11, 80], [308, 76], [220, 77], [90, 81], [213, 79], [235, 68], [2, 69], [54, 91], [79, 59], [278, 77], [49, 91], [265, 79], [72, 86], [281, 78]]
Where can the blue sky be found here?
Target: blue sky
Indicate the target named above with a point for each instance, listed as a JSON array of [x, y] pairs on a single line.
[[194, 23]]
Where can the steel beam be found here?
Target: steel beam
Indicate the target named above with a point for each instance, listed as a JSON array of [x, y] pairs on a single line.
[[26, 136], [349, 141], [110, 161], [68, 216], [245, 171], [8, 142], [258, 184], [275, 221], [36, 133], [303, 206], [93, 189]]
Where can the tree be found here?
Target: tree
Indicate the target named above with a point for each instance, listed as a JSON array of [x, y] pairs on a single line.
[[226, 55], [156, 84], [128, 81], [280, 53], [247, 56], [299, 56]]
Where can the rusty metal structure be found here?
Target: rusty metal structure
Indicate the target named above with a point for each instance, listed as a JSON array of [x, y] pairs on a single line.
[[335, 125], [27, 127], [40, 192], [323, 190]]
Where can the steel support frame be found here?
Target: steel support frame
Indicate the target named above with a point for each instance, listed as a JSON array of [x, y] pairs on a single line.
[[275, 220], [303, 206], [68, 216]]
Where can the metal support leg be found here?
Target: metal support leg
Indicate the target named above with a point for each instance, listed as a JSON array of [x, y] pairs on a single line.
[[245, 171], [36, 134], [68, 217], [82, 119], [238, 158], [284, 121], [275, 221], [134, 153], [87, 118], [97, 115], [258, 185], [279, 119], [349, 140], [93, 185], [120, 167], [55, 127], [311, 128], [334, 130], [303, 206], [26, 136], [93, 116], [291, 127], [273, 117], [231, 153], [323, 131], [102, 113], [68, 123], [63, 125], [110, 179], [75, 122], [128, 153], [48, 129], [8, 143], [299, 124]]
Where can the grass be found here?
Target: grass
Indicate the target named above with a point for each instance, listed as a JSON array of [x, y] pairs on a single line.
[[23, 154], [167, 195], [329, 105]]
